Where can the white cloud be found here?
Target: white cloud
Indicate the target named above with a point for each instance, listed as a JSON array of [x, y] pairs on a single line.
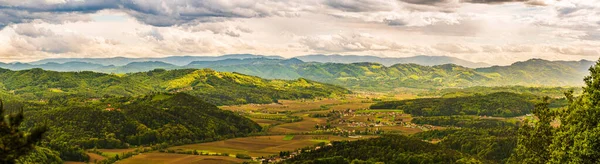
[[493, 31]]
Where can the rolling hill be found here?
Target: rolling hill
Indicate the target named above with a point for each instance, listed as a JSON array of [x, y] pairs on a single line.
[[368, 75], [144, 120], [215, 87]]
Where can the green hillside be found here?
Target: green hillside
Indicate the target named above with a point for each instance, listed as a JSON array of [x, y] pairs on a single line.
[[214, 87], [502, 104], [122, 122], [378, 77], [369, 76], [388, 149]]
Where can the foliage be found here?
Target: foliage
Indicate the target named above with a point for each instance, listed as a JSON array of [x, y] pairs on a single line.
[[243, 156], [146, 120], [535, 138], [15, 143], [388, 149], [492, 144], [41, 155], [577, 139], [214, 87], [462, 121], [501, 104]]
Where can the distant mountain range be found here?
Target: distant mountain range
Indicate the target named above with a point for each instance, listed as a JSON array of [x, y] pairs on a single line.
[[420, 60], [185, 60], [175, 60], [361, 75]]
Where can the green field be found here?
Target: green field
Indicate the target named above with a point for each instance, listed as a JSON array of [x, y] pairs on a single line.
[[288, 137]]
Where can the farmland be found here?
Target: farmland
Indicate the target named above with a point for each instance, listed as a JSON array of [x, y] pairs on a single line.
[[260, 145], [171, 158], [289, 125]]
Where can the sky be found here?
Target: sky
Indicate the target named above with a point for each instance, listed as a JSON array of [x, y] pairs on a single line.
[[492, 31]]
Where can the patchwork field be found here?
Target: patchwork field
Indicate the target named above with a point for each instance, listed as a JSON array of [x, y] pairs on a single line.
[[265, 122], [260, 145], [283, 105], [171, 158], [306, 125]]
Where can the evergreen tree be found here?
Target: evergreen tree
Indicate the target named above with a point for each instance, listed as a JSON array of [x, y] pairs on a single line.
[[13, 142]]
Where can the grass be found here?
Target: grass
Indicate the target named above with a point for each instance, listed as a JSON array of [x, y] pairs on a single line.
[[171, 158], [288, 137], [56, 90], [159, 97], [113, 152]]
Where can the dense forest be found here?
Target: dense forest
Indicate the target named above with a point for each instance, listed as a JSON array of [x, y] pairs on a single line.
[[215, 87], [128, 121], [500, 104], [389, 149]]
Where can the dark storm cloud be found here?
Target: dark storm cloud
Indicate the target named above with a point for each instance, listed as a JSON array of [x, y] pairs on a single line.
[[359, 5], [152, 12]]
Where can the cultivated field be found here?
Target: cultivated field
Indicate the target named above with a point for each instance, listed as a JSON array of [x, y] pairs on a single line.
[[283, 105], [260, 145], [171, 158], [306, 125]]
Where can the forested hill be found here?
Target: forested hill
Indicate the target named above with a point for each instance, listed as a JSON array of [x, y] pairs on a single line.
[[372, 76], [214, 87], [119, 122], [388, 149], [500, 104]]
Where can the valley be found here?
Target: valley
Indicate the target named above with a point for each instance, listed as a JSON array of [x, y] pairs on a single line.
[[296, 125], [207, 116], [299, 82]]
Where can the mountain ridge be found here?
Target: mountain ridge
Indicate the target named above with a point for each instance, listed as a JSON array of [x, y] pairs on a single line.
[[370, 75]]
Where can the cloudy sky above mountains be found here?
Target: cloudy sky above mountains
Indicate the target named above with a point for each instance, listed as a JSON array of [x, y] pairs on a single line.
[[491, 31]]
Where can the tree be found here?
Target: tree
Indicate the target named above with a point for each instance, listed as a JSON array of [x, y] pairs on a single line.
[[535, 137], [577, 140], [13, 142]]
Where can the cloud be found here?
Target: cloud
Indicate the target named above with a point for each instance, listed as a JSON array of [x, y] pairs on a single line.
[[349, 42], [492, 1], [454, 48], [153, 34], [222, 28], [12, 16], [156, 13], [30, 38], [361, 5], [575, 50], [31, 30]]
